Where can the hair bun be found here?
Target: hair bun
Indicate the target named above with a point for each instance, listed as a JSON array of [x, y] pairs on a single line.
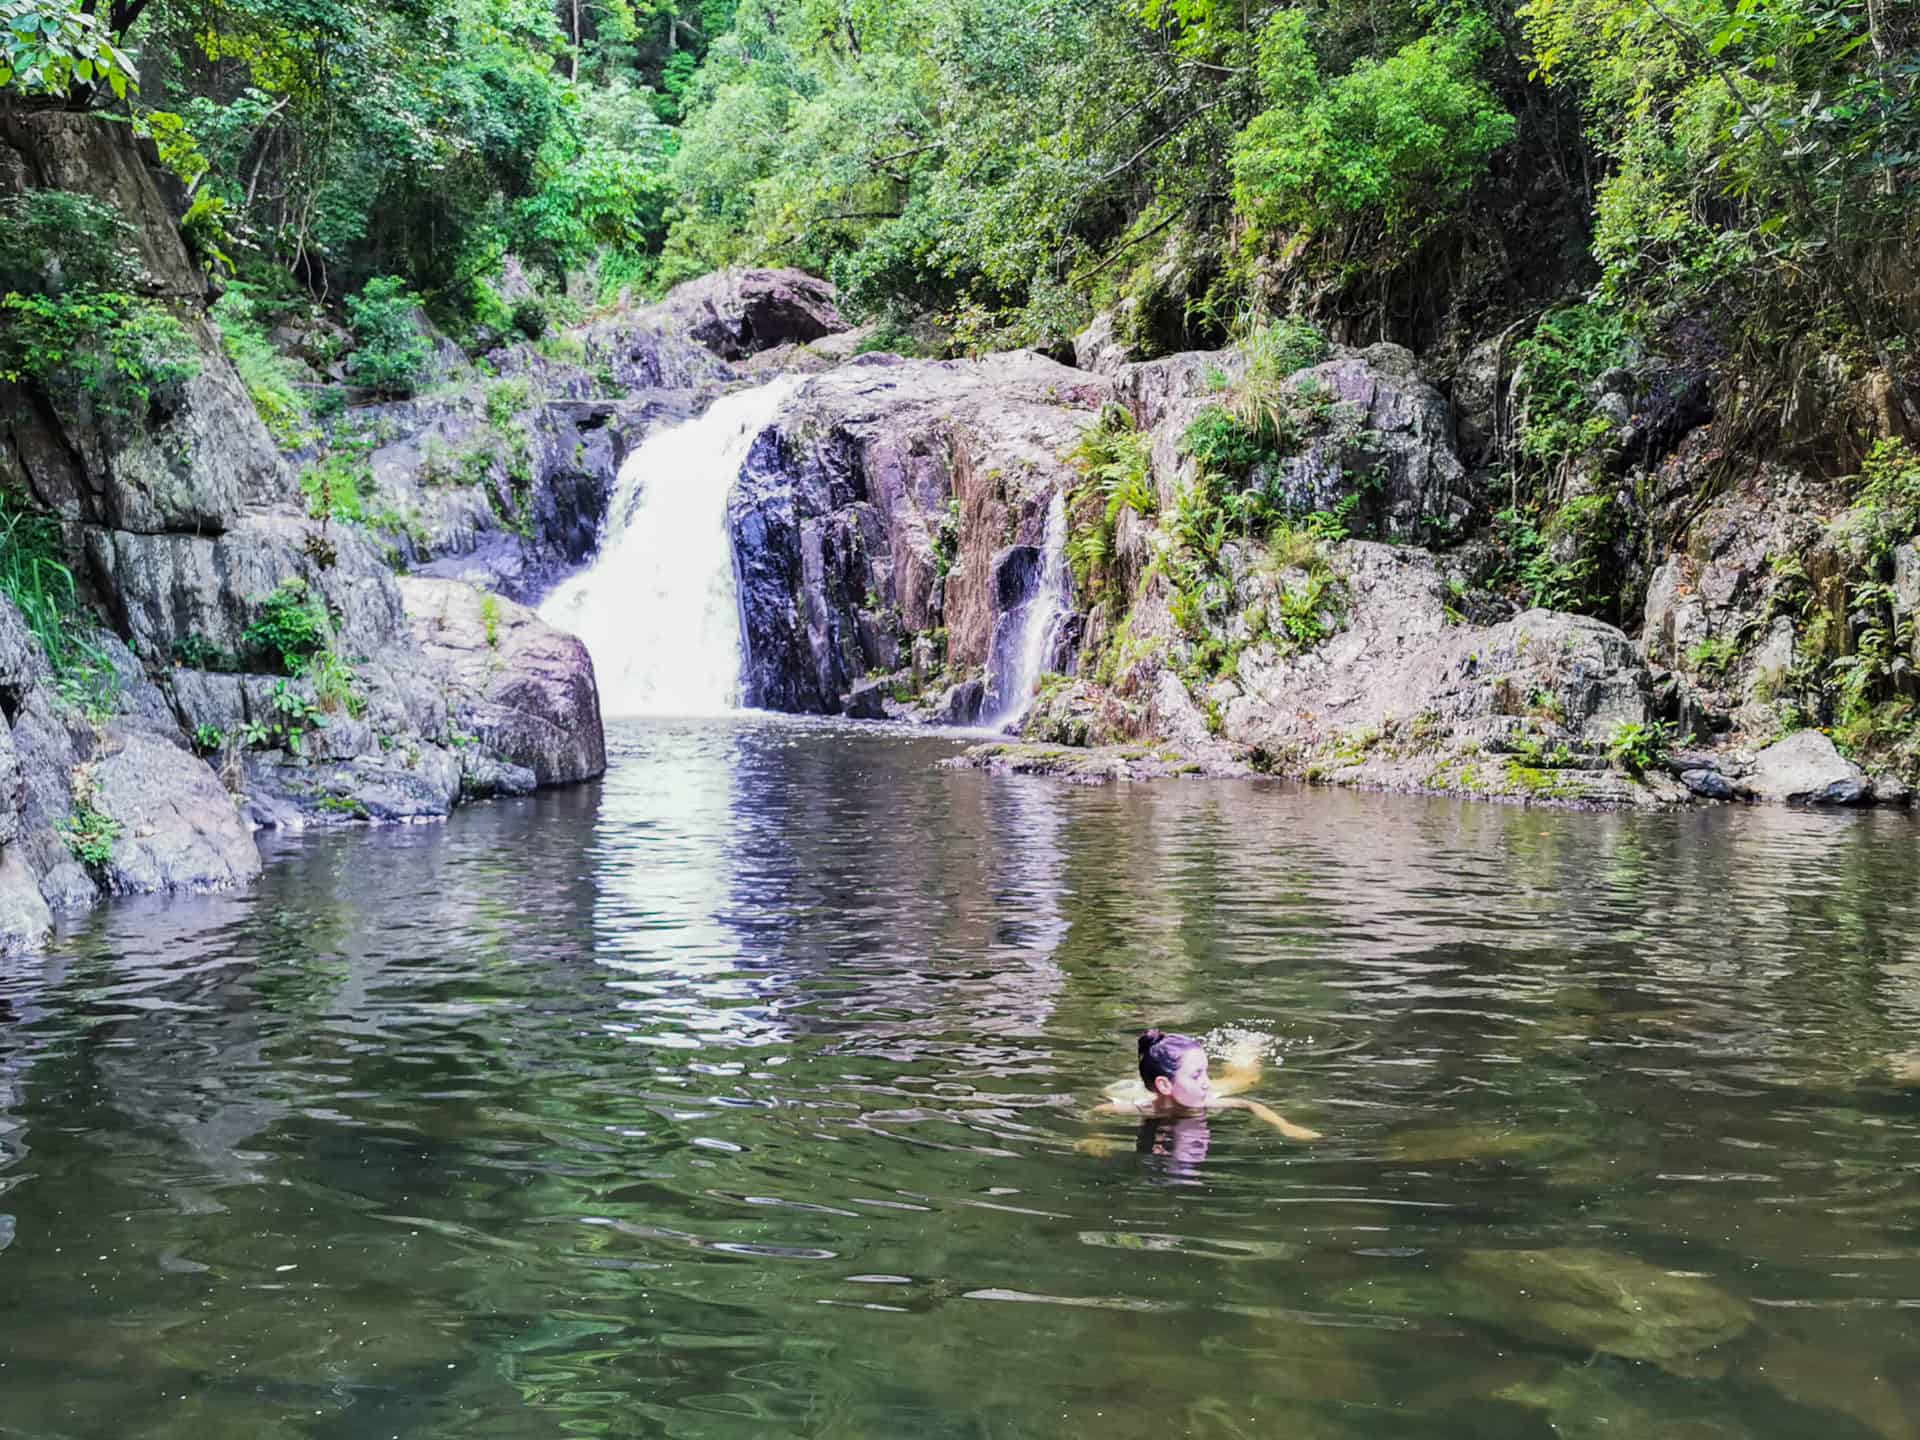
[[1150, 1038]]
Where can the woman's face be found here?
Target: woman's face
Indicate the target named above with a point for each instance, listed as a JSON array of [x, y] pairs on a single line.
[[1188, 1086]]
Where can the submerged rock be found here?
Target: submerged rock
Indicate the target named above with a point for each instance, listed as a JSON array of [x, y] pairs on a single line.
[[1100, 766], [1594, 1299]]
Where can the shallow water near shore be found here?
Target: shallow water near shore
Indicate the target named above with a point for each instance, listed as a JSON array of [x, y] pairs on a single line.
[[742, 1094]]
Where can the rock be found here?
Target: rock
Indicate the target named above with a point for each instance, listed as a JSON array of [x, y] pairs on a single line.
[[1101, 766], [961, 704], [1099, 347], [867, 700], [1806, 769], [1891, 790], [841, 506], [415, 781], [926, 660], [1475, 397], [26, 920], [524, 690], [1594, 1300], [1707, 784], [1398, 431], [1772, 662], [179, 828], [204, 458], [484, 777], [1614, 407], [737, 313], [1401, 697]]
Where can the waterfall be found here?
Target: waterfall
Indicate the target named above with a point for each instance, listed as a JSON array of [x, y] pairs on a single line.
[[1033, 629], [658, 607]]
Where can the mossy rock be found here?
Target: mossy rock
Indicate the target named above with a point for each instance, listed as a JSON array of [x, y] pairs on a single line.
[[1596, 1300]]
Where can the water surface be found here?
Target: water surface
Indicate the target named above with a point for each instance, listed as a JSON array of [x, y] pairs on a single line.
[[742, 1094]]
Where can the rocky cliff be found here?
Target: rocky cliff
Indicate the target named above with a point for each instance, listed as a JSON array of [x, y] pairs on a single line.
[[256, 665], [1336, 612]]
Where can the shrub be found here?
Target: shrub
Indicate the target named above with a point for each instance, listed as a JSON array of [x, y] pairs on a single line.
[[1116, 460], [1392, 143], [70, 321], [333, 488], [390, 353], [1637, 748], [90, 833], [1558, 365], [268, 375], [292, 626], [530, 318]]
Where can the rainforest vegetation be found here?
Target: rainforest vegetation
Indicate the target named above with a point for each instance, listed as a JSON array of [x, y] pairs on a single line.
[[1717, 197]]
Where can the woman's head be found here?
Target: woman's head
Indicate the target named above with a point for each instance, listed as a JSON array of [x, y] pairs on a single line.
[[1175, 1066]]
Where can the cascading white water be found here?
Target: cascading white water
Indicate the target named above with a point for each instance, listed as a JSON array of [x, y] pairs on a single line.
[[658, 607], [1045, 609]]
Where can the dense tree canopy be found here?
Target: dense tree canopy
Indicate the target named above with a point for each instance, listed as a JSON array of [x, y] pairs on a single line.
[[1010, 165]]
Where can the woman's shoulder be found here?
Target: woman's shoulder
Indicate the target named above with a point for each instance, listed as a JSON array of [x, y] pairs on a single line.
[[1128, 1092]]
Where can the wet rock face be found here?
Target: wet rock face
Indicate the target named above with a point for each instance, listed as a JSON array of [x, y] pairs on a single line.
[[838, 515], [523, 689]]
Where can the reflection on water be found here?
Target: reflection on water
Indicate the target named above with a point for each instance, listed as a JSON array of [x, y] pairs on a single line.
[[741, 1095]]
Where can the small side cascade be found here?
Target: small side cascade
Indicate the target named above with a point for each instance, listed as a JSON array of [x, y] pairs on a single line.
[[1032, 629], [659, 608]]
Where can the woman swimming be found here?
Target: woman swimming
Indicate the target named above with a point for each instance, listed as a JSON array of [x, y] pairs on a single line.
[[1174, 1080]]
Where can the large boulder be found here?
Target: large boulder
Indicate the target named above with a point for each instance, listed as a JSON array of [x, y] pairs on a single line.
[[738, 313], [1806, 769], [1402, 695], [524, 690], [179, 829], [880, 506]]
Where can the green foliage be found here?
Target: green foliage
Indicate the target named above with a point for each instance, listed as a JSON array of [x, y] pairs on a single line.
[[1388, 146], [334, 487], [1638, 748], [1752, 151], [946, 540], [1115, 460], [490, 618], [1562, 562], [269, 376], [391, 353], [529, 318], [209, 739], [35, 578], [1713, 655], [90, 833], [291, 625], [506, 402], [71, 321], [1558, 364], [56, 47], [335, 683]]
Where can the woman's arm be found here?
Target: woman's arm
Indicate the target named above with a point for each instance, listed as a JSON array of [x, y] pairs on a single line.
[[1278, 1121]]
